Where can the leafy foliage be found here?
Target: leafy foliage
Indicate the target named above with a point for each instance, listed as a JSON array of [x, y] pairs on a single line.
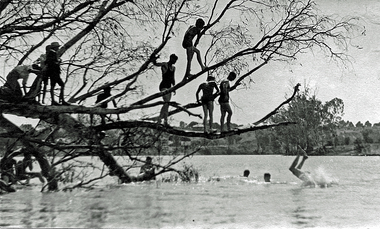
[[317, 122]]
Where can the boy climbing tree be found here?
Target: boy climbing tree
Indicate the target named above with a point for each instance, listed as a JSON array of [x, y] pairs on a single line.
[[187, 44]]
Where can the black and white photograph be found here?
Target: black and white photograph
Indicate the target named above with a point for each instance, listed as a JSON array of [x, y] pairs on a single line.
[[190, 114]]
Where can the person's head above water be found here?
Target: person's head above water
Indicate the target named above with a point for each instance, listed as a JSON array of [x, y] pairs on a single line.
[[246, 173], [148, 160], [267, 177]]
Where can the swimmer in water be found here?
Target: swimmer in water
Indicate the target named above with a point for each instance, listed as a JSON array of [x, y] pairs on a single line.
[[267, 177], [296, 170], [246, 173]]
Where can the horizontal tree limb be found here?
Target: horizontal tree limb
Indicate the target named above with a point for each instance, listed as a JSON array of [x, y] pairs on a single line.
[[185, 133]]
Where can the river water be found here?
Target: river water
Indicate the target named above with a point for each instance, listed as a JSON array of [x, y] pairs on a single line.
[[221, 199]]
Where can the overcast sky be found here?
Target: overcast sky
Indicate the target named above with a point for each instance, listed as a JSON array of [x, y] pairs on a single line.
[[357, 86]]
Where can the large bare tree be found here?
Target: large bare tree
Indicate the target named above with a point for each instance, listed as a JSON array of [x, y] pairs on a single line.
[[112, 43]]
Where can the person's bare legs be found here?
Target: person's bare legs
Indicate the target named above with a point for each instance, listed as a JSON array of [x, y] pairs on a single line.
[[211, 110], [302, 161], [295, 170], [199, 58], [165, 109], [295, 162], [303, 158], [223, 115], [204, 106], [61, 95], [223, 112], [229, 115], [189, 54], [225, 108], [52, 86]]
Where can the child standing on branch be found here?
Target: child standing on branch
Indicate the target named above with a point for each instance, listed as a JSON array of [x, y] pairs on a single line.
[[187, 44], [207, 100], [35, 89], [53, 71], [168, 80], [224, 99]]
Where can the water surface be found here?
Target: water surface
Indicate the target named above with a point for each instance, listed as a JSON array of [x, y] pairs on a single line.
[[226, 201]]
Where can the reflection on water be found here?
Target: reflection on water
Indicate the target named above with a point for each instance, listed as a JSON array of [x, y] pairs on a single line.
[[305, 215], [97, 215], [222, 203]]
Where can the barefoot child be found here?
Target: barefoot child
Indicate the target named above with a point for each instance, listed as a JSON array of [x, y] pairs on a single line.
[[187, 44]]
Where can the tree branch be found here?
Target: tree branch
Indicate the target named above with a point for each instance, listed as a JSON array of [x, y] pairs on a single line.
[[296, 89], [185, 133]]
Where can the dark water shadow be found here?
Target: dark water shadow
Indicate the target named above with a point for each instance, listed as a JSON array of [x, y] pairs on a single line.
[[303, 215]]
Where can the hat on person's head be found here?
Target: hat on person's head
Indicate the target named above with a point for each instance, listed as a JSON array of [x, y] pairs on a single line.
[[210, 78], [54, 44]]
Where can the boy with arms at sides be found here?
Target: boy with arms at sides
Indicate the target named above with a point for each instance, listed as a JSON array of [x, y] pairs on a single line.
[[187, 44], [224, 99], [207, 100], [53, 71]]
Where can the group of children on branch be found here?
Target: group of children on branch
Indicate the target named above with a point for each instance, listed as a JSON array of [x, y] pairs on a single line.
[[47, 67], [207, 88], [208, 97]]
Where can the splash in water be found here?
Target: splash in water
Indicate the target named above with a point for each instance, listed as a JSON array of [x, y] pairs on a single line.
[[323, 179]]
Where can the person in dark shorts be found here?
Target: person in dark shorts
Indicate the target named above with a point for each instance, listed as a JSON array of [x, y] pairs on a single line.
[[53, 71], [187, 44], [207, 100], [224, 99], [168, 80]]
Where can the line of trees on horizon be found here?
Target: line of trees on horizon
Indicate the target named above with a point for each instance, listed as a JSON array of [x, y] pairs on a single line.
[[319, 127]]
